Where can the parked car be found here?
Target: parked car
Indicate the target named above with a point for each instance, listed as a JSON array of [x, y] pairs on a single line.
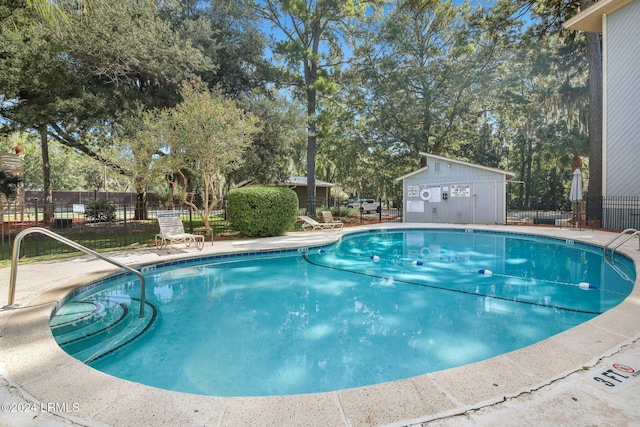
[[348, 202], [366, 205]]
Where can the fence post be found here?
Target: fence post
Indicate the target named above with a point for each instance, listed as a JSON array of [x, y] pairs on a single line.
[[124, 211], [190, 220], [2, 225], [380, 207], [37, 237]]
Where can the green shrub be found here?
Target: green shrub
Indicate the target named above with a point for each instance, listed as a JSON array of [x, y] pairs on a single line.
[[100, 211], [262, 211]]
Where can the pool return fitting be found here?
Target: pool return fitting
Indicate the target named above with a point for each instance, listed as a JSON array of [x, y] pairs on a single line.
[[16, 254]]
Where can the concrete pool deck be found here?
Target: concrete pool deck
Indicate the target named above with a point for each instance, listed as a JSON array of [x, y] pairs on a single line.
[[548, 383]]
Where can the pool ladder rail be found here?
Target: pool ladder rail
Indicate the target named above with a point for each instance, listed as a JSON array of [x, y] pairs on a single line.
[[633, 232], [16, 255]]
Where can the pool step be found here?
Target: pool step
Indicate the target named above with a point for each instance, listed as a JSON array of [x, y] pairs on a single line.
[[74, 315], [102, 321], [103, 329], [91, 336]]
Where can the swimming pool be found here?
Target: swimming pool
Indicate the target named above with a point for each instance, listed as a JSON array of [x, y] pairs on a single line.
[[374, 307]]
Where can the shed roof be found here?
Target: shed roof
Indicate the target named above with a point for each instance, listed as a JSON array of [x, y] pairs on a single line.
[[508, 175], [302, 181], [296, 181], [590, 19]]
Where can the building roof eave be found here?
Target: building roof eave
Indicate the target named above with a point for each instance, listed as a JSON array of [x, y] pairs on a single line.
[[590, 19], [507, 175]]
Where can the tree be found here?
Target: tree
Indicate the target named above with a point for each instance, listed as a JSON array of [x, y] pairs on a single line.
[[538, 113], [594, 57], [74, 83], [140, 150], [351, 152], [9, 184], [39, 86], [205, 135], [227, 33], [273, 151], [312, 32], [552, 14], [52, 12], [425, 67]]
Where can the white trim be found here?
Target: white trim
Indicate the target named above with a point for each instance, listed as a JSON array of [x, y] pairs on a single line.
[[468, 181], [474, 202], [404, 203], [605, 110], [507, 175], [413, 173], [495, 204], [589, 19]]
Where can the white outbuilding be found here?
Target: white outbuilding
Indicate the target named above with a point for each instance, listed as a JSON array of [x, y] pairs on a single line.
[[452, 191]]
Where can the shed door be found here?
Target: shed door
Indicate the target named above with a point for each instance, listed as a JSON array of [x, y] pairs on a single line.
[[485, 203]]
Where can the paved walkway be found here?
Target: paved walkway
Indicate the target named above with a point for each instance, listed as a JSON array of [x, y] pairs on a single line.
[[549, 383]]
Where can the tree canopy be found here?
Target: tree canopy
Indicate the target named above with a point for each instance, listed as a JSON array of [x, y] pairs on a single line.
[[207, 135], [347, 91]]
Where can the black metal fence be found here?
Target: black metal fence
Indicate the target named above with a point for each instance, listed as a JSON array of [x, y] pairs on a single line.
[[96, 227], [76, 221], [620, 213], [115, 227], [388, 211], [608, 213]]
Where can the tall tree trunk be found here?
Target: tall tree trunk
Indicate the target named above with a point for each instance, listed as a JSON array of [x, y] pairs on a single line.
[[522, 188], [141, 205], [527, 170], [310, 78], [46, 175], [311, 157], [594, 56]]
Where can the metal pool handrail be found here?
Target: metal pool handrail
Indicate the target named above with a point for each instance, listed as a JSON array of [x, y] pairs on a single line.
[[16, 254], [613, 250]]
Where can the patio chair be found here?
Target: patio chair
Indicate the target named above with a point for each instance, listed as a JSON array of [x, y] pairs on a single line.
[[328, 219], [172, 230], [310, 224]]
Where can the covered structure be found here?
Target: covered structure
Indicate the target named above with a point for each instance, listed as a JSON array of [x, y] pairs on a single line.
[[453, 191], [299, 185]]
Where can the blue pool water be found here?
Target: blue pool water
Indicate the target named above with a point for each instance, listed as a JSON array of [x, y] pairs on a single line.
[[374, 307]]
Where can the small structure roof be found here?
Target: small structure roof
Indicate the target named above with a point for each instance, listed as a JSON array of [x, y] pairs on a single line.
[[296, 181], [302, 181], [508, 175]]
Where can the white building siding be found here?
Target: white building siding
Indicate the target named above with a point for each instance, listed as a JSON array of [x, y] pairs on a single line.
[[622, 167]]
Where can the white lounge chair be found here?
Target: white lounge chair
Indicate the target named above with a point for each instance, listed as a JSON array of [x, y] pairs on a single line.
[[172, 230], [328, 219], [310, 224]]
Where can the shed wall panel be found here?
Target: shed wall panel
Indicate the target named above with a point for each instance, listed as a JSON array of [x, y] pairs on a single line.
[[470, 207]]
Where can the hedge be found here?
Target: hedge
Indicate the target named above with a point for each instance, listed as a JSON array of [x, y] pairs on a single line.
[[262, 211]]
